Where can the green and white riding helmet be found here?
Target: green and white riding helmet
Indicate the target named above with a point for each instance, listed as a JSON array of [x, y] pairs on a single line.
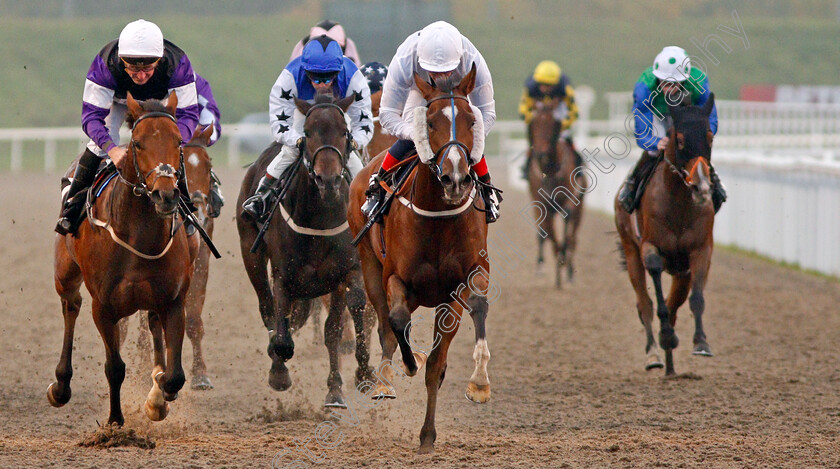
[[672, 64]]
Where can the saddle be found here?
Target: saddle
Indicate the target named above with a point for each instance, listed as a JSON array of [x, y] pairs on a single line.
[[395, 179], [104, 175]]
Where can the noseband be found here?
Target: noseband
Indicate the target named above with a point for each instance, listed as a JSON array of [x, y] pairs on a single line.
[[342, 155], [161, 170], [437, 167]]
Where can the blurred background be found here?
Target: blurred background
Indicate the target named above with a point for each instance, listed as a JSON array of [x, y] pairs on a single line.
[[777, 84]]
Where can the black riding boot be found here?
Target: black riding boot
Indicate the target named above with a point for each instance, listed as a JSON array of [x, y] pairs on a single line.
[[256, 205], [75, 202], [627, 196], [184, 193], [215, 200], [375, 194], [491, 200], [718, 191]]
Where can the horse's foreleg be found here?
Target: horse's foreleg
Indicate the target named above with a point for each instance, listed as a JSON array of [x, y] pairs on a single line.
[[700, 262], [447, 321], [400, 320], [156, 407], [356, 303], [114, 366], [256, 267], [195, 326], [281, 347], [667, 336], [636, 272], [478, 389], [173, 378], [332, 335], [372, 272], [58, 393], [570, 240]]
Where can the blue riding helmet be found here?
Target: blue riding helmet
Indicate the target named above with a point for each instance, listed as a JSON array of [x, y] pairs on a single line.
[[322, 54]]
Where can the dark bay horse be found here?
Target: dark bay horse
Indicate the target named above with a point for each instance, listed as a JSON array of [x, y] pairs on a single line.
[[139, 258], [308, 246], [198, 164], [552, 163], [672, 232], [431, 250]]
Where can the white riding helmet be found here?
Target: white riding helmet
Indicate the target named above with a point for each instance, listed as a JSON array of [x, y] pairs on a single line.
[[141, 38], [440, 47], [672, 64]]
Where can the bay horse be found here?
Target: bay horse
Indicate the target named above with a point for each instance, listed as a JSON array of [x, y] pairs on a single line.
[[308, 247], [140, 258], [672, 232], [380, 140], [551, 170], [436, 247], [198, 166]]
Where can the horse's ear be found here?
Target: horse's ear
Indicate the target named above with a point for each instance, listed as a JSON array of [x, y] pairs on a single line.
[[425, 89], [345, 103], [302, 106], [709, 105], [134, 109], [676, 112], [202, 134], [468, 82], [171, 103]]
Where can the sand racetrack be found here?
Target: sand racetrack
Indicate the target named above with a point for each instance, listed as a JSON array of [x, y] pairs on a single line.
[[569, 388]]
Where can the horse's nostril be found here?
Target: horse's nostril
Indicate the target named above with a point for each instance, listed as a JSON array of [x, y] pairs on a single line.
[[446, 180], [467, 179]]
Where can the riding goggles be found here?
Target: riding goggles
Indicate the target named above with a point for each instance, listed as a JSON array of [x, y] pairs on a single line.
[[322, 78]]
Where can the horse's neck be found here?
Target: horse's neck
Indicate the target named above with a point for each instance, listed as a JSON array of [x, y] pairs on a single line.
[[133, 215]]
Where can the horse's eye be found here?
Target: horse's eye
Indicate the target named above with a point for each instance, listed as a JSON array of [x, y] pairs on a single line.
[[472, 123], [306, 133], [681, 141], [430, 125], [136, 144]]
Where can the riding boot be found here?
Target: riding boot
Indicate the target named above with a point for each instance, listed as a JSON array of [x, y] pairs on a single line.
[[75, 202], [215, 200], [256, 205], [627, 196], [184, 192], [718, 191], [491, 200], [375, 194]]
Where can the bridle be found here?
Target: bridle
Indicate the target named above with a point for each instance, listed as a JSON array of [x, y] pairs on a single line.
[[343, 156], [546, 167], [437, 162], [162, 170], [686, 176]]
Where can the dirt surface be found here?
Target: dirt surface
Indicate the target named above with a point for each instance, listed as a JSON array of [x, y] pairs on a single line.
[[568, 384]]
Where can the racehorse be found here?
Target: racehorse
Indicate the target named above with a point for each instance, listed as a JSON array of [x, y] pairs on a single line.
[[672, 232], [380, 140], [436, 247], [308, 245], [198, 166], [139, 258], [551, 170]]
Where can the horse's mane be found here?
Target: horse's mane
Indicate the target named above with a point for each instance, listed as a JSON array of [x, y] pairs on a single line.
[[324, 98], [149, 105]]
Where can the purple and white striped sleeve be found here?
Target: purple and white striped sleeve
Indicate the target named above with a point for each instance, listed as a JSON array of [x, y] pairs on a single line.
[[183, 84], [96, 103]]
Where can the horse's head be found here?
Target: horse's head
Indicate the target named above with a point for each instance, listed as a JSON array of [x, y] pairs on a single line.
[[544, 131], [198, 164], [327, 142], [690, 148], [447, 135], [155, 151]]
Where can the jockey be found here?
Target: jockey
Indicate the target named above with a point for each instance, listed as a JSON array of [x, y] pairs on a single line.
[[140, 62], [321, 69], [208, 114], [333, 31], [548, 82], [671, 75], [438, 53], [375, 74]]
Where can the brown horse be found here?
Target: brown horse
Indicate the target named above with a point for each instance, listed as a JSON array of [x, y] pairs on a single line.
[[436, 247], [308, 246], [198, 166], [672, 232], [551, 170], [139, 259], [380, 140]]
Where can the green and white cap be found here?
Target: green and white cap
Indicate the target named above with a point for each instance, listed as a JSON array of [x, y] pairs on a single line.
[[672, 64]]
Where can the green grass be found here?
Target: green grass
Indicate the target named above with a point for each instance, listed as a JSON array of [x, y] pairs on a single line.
[[787, 265], [45, 60]]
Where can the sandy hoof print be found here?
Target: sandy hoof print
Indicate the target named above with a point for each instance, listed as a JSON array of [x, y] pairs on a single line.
[[480, 394]]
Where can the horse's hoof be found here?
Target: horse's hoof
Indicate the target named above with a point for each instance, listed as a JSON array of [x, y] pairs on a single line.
[[478, 393], [156, 414], [278, 377], [335, 399], [426, 449], [201, 383], [653, 361], [57, 401], [384, 392], [169, 397], [702, 350], [419, 359]]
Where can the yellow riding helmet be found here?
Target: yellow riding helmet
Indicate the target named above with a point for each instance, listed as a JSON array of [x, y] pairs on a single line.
[[547, 73]]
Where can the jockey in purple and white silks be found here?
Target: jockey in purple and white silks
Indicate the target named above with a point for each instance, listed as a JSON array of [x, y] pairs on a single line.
[[322, 68], [140, 62], [438, 53]]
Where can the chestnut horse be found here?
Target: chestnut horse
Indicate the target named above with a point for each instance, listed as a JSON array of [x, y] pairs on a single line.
[[436, 246], [551, 170], [672, 232], [198, 166], [139, 258], [380, 140], [308, 245]]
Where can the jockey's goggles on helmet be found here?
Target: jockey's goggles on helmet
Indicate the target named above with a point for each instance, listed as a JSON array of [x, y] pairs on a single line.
[[319, 78], [140, 64]]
